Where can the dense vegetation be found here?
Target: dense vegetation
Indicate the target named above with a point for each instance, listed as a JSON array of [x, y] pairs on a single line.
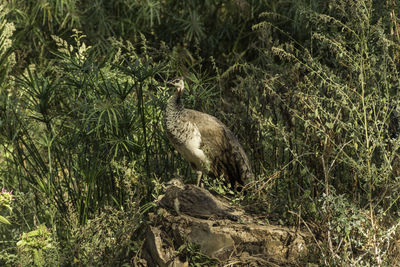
[[310, 87]]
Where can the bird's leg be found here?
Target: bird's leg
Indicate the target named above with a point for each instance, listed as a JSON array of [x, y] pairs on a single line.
[[199, 175]]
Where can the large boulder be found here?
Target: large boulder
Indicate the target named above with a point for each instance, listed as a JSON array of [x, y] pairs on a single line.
[[190, 214]]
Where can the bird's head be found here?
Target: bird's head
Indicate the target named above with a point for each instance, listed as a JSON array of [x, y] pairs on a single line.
[[179, 84]]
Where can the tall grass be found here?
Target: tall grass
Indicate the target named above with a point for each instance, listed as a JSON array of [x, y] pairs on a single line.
[[341, 104]]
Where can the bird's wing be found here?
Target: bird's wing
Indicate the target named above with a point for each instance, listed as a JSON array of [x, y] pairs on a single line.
[[213, 131], [221, 146]]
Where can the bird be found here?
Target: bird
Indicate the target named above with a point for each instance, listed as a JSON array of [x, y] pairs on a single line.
[[194, 201], [205, 142]]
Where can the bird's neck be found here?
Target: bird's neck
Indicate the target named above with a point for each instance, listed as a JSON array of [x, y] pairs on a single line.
[[175, 104], [173, 117]]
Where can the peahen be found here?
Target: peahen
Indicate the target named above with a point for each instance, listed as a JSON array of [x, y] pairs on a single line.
[[205, 142]]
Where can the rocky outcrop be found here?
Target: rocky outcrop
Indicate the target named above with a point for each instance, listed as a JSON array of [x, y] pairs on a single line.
[[190, 214]]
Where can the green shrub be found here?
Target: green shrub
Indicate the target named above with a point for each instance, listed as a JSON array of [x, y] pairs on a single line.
[[5, 204], [38, 248], [335, 127]]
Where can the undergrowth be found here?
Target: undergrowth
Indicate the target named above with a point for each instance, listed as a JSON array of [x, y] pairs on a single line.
[[310, 88]]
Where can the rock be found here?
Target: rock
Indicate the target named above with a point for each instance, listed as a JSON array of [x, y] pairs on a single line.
[[190, 214], [157, 253]]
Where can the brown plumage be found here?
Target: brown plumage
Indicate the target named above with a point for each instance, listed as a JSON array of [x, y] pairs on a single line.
[[205, 141], [194, 201]]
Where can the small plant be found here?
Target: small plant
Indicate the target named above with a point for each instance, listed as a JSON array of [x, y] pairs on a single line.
[[107, 239], [194, 256], [5, 202], [218, 185], [37, 248]]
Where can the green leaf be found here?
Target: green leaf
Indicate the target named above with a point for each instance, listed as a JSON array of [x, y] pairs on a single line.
[[4, 220], [33, 233], [21, 243]]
